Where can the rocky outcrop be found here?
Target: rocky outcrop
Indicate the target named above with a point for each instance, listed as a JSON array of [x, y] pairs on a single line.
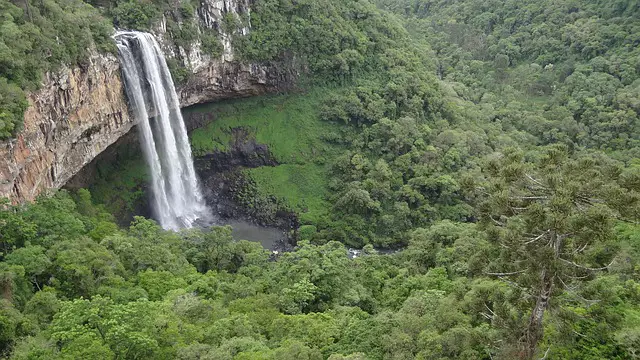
[[222, 77], [76, 114], [232, 194], [223, 80], [80, 111]]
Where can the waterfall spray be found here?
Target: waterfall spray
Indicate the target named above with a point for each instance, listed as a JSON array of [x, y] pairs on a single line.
[[176, 197]]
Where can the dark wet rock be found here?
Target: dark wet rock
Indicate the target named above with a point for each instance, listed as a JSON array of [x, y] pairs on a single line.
[[232, 195]]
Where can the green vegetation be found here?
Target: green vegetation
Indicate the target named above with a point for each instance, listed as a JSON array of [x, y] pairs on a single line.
[[495, 144], [122, 187], [136, 14], [211, 44], [302, 188], [288, 123], [338, 40], [38, 36], [77, 286], [563, 71], [144, 15], [291, 126]]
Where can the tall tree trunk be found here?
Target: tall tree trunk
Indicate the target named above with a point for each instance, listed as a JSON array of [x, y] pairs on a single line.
[[534, 331]]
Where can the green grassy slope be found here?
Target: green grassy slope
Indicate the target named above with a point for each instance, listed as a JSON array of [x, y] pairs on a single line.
[[290, 126]]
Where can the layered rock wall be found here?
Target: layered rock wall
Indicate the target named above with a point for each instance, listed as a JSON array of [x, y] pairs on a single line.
[[77, 113]]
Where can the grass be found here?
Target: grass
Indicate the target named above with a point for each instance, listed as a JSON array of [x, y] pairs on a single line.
[[289, 125], [302, 187]]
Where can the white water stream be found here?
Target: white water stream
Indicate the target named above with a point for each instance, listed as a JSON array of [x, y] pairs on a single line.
[[176, 197]]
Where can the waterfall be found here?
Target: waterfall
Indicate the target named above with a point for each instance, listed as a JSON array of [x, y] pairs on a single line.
[[176, 197]]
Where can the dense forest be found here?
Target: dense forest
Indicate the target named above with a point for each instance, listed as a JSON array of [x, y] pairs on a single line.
[[492, 144]]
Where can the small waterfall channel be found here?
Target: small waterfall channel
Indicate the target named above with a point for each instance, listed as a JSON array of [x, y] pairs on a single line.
[[177, 200]]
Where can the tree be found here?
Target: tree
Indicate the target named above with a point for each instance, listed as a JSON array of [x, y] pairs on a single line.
[[14, 229], [13, 104], [10, 321], [553, 225], [33, 260], [313, 278], [81, 266], [211, 249], [99, 329]]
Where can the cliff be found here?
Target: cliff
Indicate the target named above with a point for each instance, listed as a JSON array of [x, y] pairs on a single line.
[[79, 112], [76, 114]]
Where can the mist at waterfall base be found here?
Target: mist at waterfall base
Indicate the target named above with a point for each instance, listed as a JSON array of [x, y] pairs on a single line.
[[176, 200]]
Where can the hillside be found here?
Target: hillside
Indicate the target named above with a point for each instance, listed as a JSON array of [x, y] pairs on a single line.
[[492, 145]]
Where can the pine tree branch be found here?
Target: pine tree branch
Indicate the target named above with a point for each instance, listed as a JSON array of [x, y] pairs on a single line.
[[535, 181], [496, 221], [507, 274], [493, 314], [581, 249], [513, 284], [532, 240], [567, 287], [584, 267], [546, 353], [530, 197]]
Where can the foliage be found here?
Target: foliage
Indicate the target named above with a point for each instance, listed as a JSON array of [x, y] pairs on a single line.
[[135, 14], [295, 136], [121, 185], [270, 120], [338, 40], [563, 71], [39, 36], [179, 73], [493, 144], [142, 292], [13, 104], [211, 44]]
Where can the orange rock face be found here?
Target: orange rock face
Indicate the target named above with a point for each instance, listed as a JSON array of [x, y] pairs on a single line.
[[75, 115]]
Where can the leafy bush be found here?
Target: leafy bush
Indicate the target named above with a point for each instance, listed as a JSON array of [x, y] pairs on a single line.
[[179, 73], [13, 104], [137, 15], [211, 44]]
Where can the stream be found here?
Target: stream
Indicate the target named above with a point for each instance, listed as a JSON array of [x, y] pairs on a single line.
[[270, 238]]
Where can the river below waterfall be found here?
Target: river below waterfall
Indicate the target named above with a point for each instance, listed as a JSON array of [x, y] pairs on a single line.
[[270, 238], [273, 239]]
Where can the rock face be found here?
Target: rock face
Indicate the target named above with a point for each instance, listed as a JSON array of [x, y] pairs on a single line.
[[80, 111], [233, 195], [223, 80], [222, 77], [74, 116]]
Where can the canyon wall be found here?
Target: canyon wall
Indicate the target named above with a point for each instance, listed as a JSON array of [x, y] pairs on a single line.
[[77, 113], [80, 111]]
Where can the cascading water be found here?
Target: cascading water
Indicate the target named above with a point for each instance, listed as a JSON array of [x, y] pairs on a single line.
[[177, 199]]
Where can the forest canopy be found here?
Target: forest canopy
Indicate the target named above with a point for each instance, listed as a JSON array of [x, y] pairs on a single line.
[[492, 146]]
